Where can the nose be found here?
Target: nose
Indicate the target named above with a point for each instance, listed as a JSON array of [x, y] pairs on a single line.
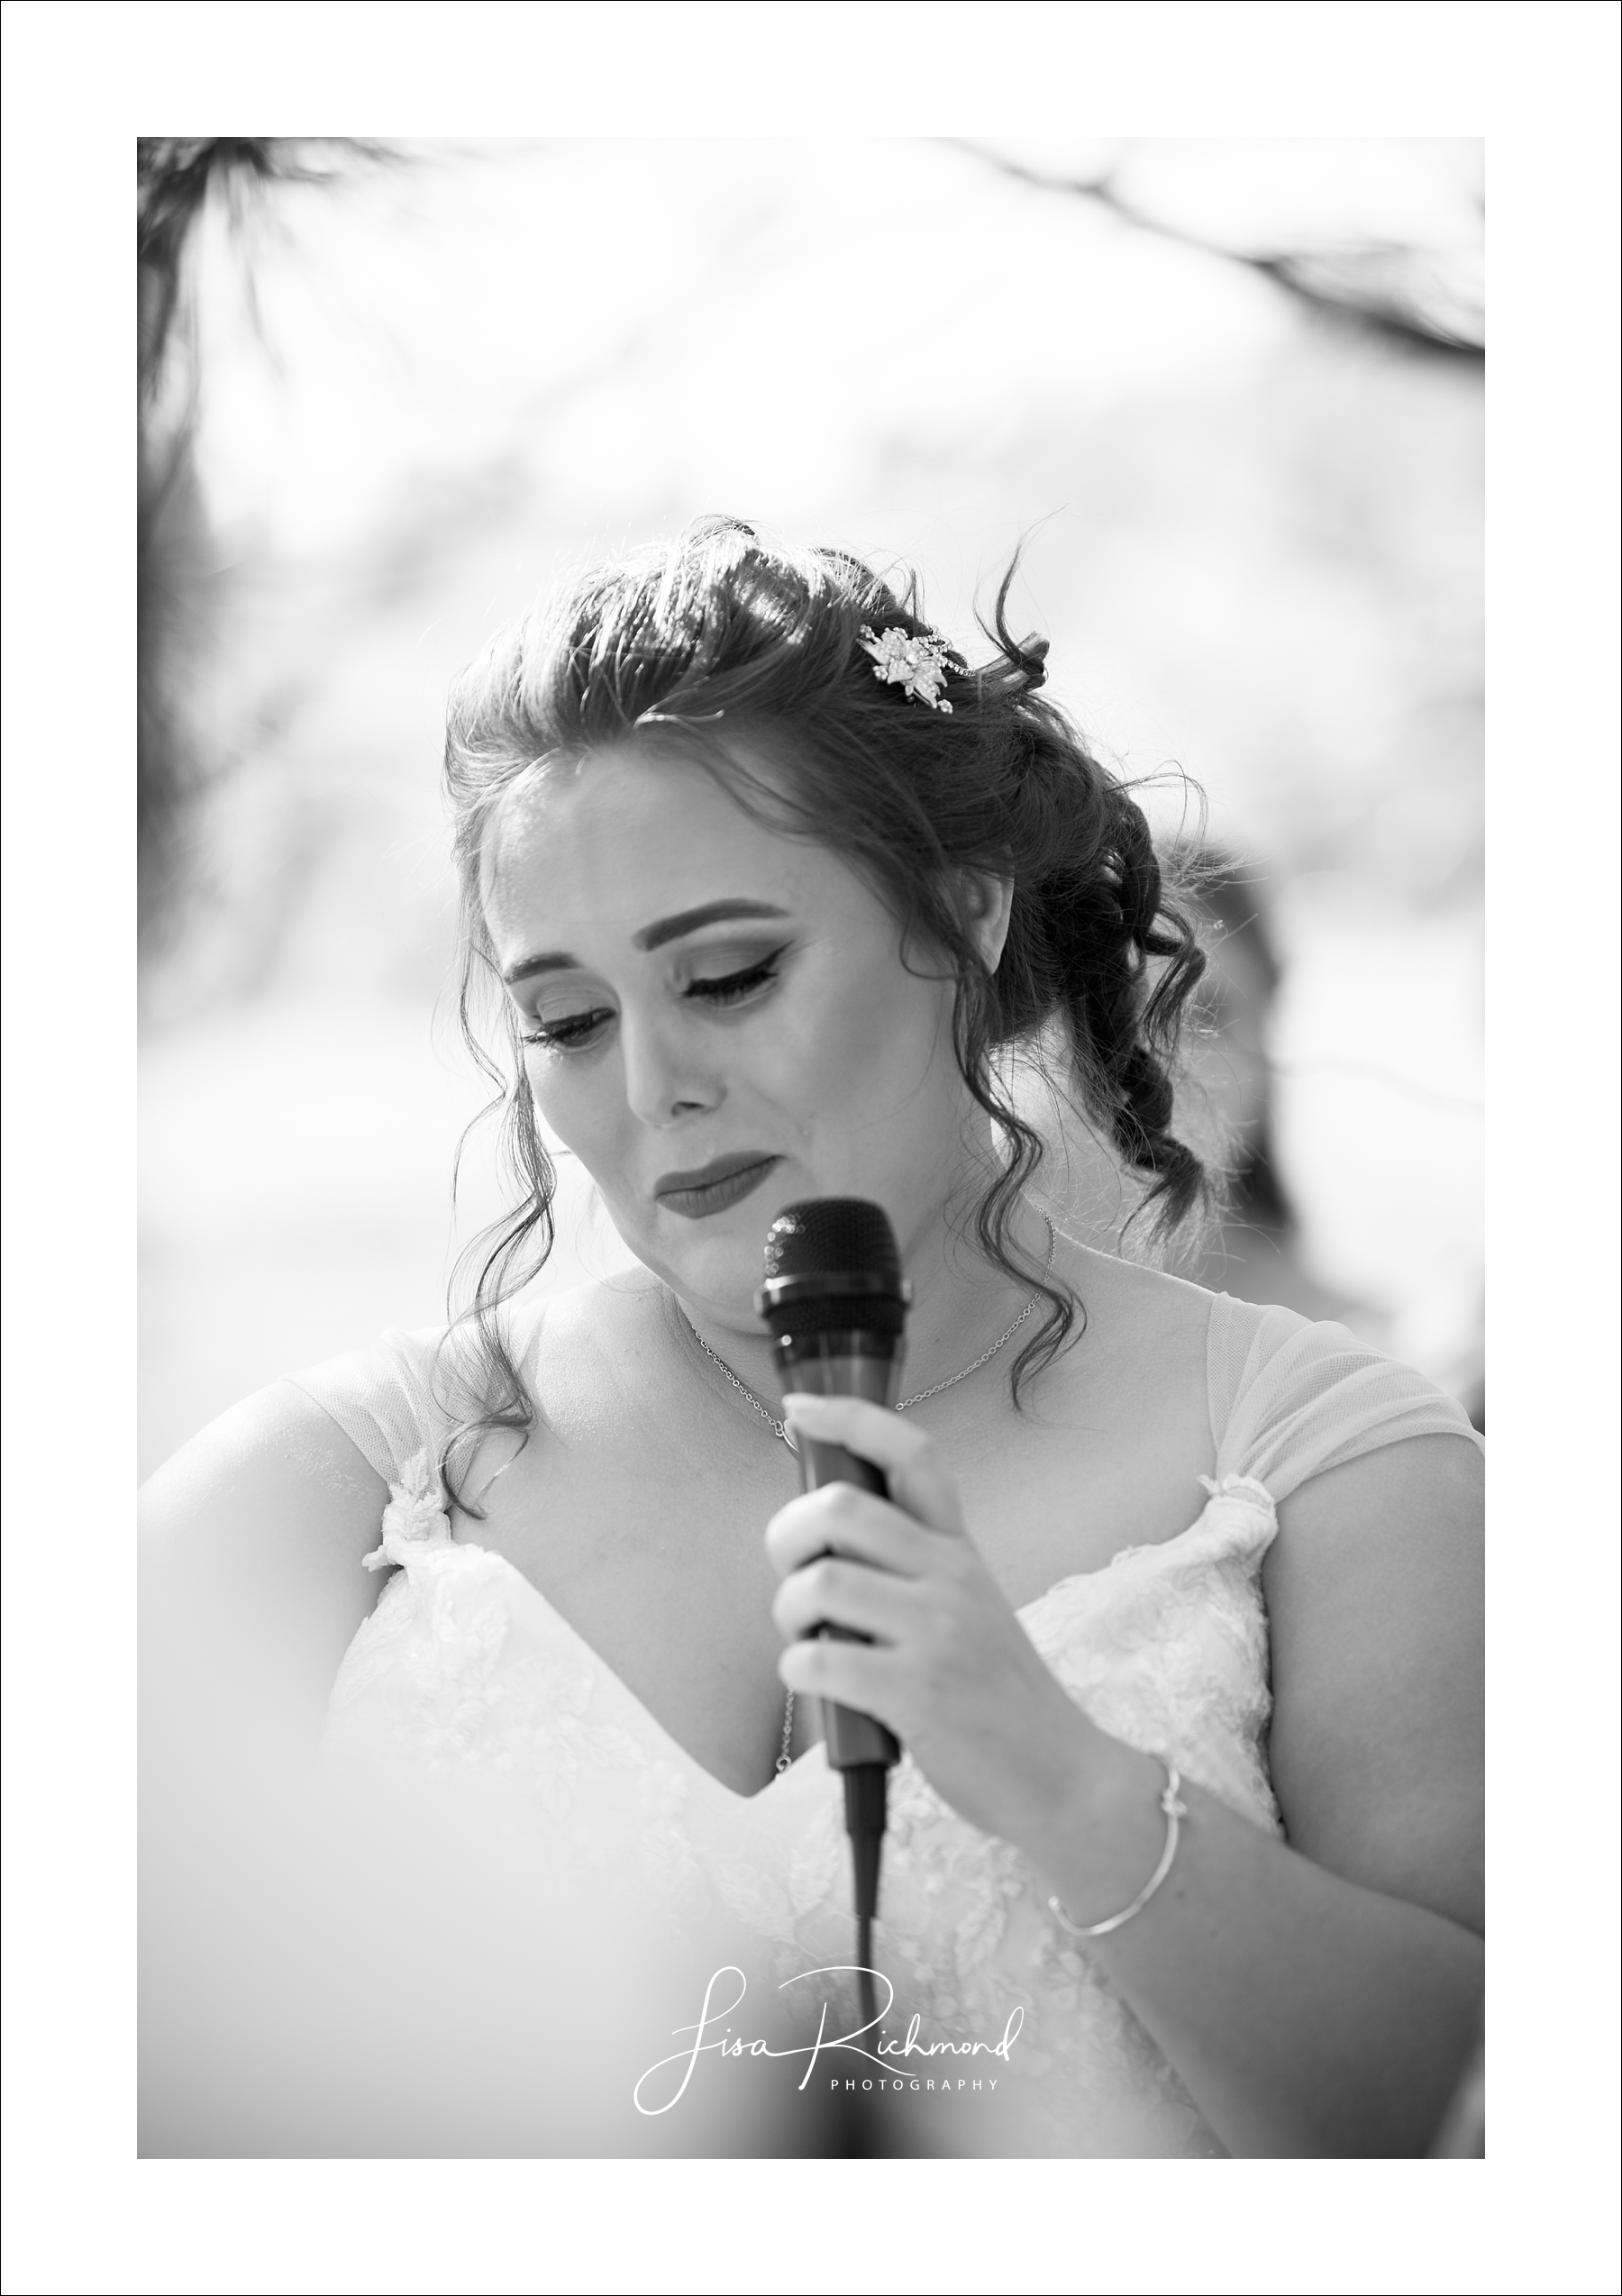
[[665, 1080]]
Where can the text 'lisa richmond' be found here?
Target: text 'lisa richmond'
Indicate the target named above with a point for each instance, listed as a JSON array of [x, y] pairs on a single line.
[[713, 2036]]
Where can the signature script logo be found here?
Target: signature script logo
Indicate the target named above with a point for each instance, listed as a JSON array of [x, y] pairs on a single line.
[[884, 2051]]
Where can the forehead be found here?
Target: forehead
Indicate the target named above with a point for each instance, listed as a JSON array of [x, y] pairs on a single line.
[[605, 845]]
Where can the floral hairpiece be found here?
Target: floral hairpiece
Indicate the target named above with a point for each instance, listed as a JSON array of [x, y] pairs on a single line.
[[919, 666]]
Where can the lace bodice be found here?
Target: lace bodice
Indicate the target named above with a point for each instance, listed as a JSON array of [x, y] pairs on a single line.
[[466, 1678]]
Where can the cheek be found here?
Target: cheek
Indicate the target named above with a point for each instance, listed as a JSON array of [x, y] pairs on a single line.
[[578, 1108], [869, 1046]]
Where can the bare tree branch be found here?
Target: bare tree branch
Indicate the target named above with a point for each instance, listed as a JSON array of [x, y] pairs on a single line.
[[1389, 287]]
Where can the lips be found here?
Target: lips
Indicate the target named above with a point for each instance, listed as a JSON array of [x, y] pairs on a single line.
[[696, 1195]]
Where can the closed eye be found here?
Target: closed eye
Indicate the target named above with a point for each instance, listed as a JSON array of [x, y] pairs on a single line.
[[573, 1031], [726, 988]]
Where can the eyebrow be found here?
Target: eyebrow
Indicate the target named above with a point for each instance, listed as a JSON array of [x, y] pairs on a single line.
[[651, 936]]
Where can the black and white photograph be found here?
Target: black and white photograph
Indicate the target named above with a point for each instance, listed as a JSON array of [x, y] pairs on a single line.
[[807, 963], [863, 997]]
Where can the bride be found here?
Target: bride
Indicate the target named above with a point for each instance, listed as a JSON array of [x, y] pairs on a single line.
[[1174, 1605]]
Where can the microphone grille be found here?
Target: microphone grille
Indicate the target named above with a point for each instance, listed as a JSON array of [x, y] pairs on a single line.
[[833, 1235]]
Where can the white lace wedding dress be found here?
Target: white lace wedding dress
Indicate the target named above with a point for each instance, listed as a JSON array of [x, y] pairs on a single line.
[[465, 1678]]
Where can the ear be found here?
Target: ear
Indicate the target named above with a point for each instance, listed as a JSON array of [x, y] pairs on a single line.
[[987, 905]]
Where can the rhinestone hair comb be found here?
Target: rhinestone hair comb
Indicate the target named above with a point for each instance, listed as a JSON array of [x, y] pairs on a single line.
[[919, 666]]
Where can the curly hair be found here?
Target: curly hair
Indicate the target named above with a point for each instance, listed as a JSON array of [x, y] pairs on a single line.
[[719, 644]]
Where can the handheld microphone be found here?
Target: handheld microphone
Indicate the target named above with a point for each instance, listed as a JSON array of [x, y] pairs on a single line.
[[835, 1302]]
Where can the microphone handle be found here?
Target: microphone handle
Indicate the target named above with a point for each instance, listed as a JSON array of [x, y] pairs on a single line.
[[852, 1738]]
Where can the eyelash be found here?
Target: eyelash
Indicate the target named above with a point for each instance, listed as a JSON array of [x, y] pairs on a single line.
[[729, 988]]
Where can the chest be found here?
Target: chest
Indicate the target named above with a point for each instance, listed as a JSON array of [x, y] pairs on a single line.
[[639, 1507], [648, 1499]]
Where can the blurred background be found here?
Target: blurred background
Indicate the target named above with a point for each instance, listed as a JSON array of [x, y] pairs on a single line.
[[1232, 392]]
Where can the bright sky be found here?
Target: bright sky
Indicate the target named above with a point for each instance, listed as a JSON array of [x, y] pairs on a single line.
[[738, 323], [746, 321]]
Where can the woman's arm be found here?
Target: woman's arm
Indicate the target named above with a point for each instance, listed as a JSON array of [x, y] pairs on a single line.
[[1324, 1998], [250, 1541], [249, 1588], [1318, 1998]]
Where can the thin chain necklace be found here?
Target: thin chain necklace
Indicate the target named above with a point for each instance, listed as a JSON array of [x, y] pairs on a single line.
[[940, 1386], [785, 1760]]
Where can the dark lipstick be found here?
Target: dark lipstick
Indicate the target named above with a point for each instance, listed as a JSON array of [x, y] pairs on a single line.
[[696, 1195]]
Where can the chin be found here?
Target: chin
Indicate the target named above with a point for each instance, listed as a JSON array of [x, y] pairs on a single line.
[[721, 1260]]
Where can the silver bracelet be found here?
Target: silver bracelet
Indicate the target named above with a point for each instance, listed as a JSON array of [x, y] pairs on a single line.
[[1175, 1811]]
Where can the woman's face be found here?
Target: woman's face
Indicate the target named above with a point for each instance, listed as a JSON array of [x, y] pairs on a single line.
[[716, 1017]]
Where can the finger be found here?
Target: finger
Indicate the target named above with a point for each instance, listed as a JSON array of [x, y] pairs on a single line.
[[862, 1675], [842, 1520], [918, 1479], [830, 1592]]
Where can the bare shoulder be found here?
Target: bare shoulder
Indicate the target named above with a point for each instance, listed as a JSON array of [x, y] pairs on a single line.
[[609, 1306], [1147, 1292], [1125, 1410], [602, 1324], [1139, 1312]]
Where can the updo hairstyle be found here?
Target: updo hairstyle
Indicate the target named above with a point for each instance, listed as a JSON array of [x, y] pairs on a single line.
[[718, 646]]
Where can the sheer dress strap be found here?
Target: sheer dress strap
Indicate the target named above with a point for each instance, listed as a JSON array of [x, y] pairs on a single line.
[[1289, 1399], [396, 1397], [382, 1398]]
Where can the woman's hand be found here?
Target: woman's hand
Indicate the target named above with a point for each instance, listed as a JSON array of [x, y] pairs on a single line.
[[1312, 2003], [948, 1668]]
